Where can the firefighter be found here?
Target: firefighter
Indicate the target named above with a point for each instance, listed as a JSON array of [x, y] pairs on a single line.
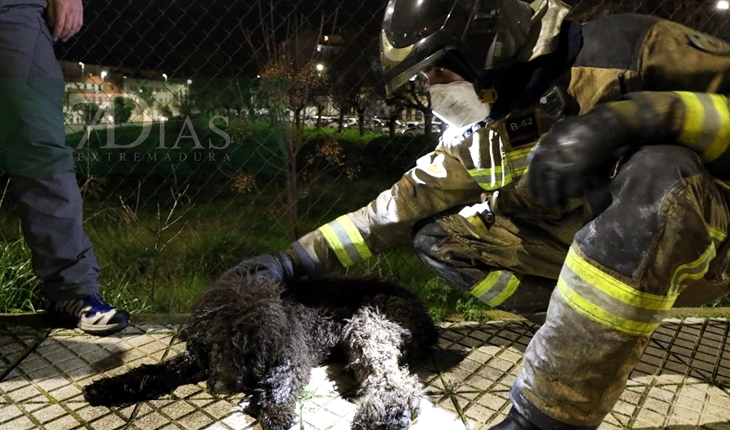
[[617, 215]]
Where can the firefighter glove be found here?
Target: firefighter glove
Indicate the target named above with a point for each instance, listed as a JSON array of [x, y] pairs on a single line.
[[283, 267], [578, 151]]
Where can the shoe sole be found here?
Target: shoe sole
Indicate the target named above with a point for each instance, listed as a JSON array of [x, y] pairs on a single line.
[[64, 321], [101, 330]]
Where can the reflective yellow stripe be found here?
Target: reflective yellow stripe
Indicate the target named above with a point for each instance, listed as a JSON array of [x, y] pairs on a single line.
[[601, 316], [608, 301], [706, 127], [520, 171], [496, 287], [508, 291], [346, 241], [694, 120], [355, 237], [334, 243], [722, 140], [520, 153], [716, 233], [486, 284], [491, 179], [519, 161], [615, 288], [481, 173], [693, 270]]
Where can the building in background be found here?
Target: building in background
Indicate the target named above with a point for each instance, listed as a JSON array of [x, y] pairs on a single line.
[[153, 95]]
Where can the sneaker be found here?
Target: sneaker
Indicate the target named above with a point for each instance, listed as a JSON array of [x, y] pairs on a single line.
[[91, 314]]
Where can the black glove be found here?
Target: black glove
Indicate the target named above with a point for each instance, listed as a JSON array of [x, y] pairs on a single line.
[[283, 267], [577, 151]]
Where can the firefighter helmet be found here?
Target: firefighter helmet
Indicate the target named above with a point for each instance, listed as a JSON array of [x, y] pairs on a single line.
[[471, 37]]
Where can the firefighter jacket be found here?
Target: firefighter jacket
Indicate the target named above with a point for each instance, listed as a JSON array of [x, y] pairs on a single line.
[[617, 55]]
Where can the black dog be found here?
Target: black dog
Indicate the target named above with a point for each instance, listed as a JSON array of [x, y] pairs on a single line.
[[256, 336]]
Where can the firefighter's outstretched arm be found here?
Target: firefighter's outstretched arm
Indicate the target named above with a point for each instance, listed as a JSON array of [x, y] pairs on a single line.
[[580, 149]]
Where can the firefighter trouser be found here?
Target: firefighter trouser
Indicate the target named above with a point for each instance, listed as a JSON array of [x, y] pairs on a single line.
[[657, 229], [33, 152], [513, 266]]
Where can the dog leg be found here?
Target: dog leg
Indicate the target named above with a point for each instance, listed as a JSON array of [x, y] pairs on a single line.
[[389, 395], [145, 382], [278, 393]]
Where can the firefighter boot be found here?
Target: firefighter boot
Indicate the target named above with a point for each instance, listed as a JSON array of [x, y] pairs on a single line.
[[515, 421]]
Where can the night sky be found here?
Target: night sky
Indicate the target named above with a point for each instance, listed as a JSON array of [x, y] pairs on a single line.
[[194, 38], [204, 38]]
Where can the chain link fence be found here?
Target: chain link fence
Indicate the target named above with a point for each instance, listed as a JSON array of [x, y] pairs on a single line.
[[205, 132]]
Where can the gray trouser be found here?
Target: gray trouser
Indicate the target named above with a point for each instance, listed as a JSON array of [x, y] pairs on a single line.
[[33, 152]]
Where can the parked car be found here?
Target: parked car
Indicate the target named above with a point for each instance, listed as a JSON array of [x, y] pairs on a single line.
[[414, 129]]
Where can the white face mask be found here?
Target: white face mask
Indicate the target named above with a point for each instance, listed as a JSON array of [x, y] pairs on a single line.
[[457, 103]]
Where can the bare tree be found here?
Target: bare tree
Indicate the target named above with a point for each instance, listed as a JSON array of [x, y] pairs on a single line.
[[415, 95], [290, 77]]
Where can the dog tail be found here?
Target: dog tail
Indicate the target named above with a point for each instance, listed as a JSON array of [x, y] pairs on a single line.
[[145, 382]]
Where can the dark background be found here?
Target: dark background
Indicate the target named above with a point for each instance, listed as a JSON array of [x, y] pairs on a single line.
[[200, 38], [206, 38]]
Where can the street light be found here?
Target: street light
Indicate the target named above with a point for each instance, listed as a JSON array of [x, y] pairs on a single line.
[[103, 74], [164, 75], [320, 67], [723, 5], [82, 68]]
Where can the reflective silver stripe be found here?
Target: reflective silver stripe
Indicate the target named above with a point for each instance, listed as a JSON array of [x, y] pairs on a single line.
[[611, 304], [496, 287], [706, 127], [712, 122], [346, 241]]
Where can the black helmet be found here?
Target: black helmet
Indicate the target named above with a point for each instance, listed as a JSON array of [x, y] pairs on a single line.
[[470, 37]]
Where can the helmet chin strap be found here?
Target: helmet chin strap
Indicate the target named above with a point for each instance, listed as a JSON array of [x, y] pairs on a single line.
[[488, 95]]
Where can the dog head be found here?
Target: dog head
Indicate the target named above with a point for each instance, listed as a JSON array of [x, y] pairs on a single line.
[[242, 322]]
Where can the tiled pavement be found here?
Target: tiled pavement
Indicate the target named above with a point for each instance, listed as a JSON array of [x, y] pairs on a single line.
[[683, 381]]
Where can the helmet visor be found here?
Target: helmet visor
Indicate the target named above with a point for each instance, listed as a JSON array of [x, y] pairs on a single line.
[[413, 20]]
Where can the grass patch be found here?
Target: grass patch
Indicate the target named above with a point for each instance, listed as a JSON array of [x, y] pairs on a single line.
[[150, 265], [161, 239], [18, 284]]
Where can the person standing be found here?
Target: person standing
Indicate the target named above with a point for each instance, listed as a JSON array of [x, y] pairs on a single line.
[[33, 152]]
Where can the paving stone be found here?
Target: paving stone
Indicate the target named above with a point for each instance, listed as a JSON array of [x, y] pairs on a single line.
[[24, 393], [151, 421], [238, 421], [48, 414], [91, 413], [195, 421], [20, 423], [66, 422], [9, 412], [176, 410], [672, 386], [108, 422], [682, 416], [320, 419]]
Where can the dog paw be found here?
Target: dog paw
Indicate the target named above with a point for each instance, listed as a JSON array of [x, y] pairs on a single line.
[[393, 420], [94, 395], [378, 413]]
